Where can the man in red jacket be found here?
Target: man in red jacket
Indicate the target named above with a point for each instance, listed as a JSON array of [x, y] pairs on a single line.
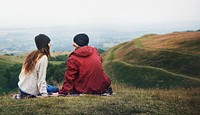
[[84, 72]]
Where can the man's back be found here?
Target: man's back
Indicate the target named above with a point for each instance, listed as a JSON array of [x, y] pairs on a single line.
[[85, 72]]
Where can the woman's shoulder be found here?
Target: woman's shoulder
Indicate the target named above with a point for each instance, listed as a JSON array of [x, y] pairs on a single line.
[[43, 59]]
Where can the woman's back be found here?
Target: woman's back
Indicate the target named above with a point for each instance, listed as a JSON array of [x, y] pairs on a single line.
[[29, 82]]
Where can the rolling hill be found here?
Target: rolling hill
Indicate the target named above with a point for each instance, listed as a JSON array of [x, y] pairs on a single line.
[[162, 61], [131, 65], [4, 65]]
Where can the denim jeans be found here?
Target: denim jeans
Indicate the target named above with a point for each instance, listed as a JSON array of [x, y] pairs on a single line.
[[50, 89]]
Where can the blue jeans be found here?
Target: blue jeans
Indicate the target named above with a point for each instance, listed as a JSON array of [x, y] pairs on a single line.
[[50, 89]]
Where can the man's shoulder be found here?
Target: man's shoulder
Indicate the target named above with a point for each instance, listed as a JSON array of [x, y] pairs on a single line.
[[72, 57]]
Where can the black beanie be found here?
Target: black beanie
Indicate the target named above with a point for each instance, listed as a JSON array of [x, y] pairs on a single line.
[[81, 39], [41, 41]]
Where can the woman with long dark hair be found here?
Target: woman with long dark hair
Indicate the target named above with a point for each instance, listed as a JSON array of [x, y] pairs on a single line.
[[32, 79]]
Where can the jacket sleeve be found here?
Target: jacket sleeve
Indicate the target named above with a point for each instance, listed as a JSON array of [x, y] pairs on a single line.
[[70, 75], [41, 72]]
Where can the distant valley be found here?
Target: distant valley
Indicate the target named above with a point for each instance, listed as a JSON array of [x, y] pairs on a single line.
[[21, 40]]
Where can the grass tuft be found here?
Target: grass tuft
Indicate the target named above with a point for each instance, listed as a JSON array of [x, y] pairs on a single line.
[[127, 100]]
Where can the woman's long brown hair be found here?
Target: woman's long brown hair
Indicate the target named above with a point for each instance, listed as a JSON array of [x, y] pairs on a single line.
[[33, 57]]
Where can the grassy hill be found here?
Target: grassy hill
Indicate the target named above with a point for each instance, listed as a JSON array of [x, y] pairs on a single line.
[[13, 59], [162, 61], [147, 79], [8, 75], [128, 100], [3, 66]]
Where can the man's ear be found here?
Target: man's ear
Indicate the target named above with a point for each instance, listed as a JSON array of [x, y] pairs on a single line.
[[76, 45]]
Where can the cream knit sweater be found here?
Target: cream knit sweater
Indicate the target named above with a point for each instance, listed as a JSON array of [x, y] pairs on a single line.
[[35, 82]]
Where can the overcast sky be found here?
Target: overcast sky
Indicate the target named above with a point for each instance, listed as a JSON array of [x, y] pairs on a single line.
[[61, 12]]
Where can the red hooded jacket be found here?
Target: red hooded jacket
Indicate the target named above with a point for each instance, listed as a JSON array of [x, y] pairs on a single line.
[[85, 73]]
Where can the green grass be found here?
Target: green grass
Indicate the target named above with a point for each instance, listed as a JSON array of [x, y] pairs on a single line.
[[147, 77], [14, 59], [128, 100], [5, 77], [4, 65], [150, 68], [145, 81], [56, 62], [176, 62], [138, 43], [112, 55], [185, 64]]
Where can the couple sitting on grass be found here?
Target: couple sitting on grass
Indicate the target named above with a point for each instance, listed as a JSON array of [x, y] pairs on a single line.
[[84, 74]]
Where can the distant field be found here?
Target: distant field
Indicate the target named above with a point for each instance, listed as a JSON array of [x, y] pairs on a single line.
[[59, 53], [15, 59], [5, 63], [57, 62], [21, 58]]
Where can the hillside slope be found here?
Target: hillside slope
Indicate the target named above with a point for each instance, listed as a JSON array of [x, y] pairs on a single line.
[[127, 101], [4, 65], [170, 60]]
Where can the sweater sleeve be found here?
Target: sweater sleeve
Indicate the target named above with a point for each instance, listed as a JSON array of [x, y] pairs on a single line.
[[70, 75], [42, 85]]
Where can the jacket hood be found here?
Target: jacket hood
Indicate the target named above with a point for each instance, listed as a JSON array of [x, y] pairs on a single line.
[[83, 51]]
